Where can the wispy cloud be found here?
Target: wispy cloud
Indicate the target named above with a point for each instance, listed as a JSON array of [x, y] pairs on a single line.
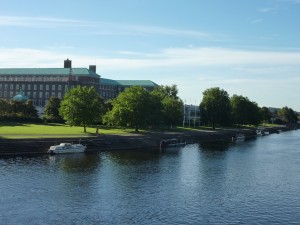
[[101, 28], [266, 10], [170, 57]]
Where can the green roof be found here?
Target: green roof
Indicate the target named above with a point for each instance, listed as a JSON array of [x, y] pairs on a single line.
[[108, 82], [47, 72], [144, 83]]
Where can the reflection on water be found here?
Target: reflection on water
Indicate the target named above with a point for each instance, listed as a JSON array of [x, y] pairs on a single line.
[[253, 182], [76, 162]]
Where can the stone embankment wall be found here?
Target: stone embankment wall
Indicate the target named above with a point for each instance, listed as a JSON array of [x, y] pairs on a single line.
[[122, 142]]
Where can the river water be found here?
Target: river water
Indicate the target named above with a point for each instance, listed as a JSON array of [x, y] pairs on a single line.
[[253, 182]]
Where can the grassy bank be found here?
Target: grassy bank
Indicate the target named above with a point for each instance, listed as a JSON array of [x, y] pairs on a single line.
[[24, 130]]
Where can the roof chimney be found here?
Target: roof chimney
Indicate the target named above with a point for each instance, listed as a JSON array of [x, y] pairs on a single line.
[[68, 63], [92, 68]]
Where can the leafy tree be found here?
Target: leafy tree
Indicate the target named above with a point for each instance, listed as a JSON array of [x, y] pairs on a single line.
[[266, 115], [131, 108], [166, 91], [288, 115], [168, 106], [23, 109], [244, 111], [215, 107], [172, 111], [30, 110], [5, 107], [81, 106], [51, 112]]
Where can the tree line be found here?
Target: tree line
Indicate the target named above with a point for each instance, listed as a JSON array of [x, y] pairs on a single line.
[[18, 111], [217, 108], [137, 107]]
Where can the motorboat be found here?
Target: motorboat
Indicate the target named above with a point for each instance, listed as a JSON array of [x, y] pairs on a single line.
[[63, 148], [238, 137], [261, 132], [172, 143]]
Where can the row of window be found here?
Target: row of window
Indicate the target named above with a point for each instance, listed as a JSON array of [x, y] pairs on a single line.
[[108, 87], [36, 78], [47, 87], [108, 94], [33, 95]]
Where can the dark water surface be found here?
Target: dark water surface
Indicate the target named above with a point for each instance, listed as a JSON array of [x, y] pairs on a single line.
[[255, 182]]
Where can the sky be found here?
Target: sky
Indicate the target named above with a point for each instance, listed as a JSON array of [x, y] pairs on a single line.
[[246, 47]]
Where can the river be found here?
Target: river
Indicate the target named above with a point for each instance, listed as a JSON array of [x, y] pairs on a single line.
[[253, 182]]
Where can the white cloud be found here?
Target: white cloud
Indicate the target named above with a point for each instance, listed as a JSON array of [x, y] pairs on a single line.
[[101, 28], [266, 10], [171, 57]]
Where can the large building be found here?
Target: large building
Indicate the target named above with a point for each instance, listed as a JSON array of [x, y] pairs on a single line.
[[111, 88], [39, 84]]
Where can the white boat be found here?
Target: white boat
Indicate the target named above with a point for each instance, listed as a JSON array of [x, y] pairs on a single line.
[[63, 148], [238, 137], [171, 143], [262, 132]]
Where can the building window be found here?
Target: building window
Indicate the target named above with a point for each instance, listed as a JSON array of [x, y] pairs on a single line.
[[53, 87], [0, 93], [23, 87], [34, 95], [11, 94], [59, 87], [41, 94], [47, 87], [34, 87], [11, 87], [17, 87], [59, 94], [5, 86], [5, 94], [29, 86], [40, 102], [29, 94], [41, 87], [47, 95]]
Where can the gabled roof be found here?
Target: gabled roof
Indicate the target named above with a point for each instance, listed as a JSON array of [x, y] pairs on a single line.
[[47, 72]]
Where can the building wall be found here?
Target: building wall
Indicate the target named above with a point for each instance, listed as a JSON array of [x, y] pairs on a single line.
[[192, 116]]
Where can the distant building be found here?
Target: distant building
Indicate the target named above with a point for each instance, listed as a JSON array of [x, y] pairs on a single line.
[[39, 84], [192, 116], [111, 88]]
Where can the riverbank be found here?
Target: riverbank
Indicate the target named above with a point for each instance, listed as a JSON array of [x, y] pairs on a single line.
[[109, 142]]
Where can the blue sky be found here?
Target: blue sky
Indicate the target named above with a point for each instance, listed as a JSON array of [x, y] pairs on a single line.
[[249, 47]]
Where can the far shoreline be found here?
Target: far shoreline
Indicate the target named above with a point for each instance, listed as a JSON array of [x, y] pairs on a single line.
[[131, 141]]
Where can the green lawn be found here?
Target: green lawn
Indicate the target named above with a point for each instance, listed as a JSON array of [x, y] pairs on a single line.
[[23, 130]]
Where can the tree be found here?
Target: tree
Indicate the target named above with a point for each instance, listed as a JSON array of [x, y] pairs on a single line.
[[172, 111], [166, 91], [81, 106], [131, 108], [288, 115], [169, 107], [266, 115], [5, 107], [51, 112], [215, 107], [244, 111]]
